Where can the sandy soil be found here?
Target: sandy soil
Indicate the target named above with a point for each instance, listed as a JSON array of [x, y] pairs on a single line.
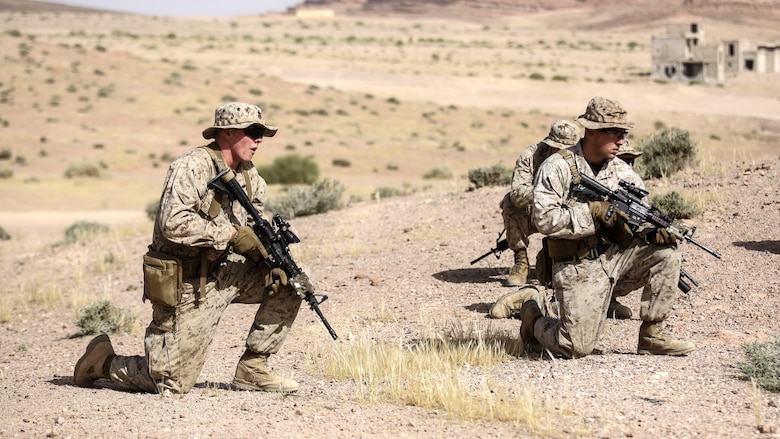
[[396, 268]]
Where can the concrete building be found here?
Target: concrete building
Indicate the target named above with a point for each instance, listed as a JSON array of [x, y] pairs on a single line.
[[683, 55]]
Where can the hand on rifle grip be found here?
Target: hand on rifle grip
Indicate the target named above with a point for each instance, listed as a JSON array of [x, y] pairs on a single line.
[[245, 242], [278, 280], [603, 212]]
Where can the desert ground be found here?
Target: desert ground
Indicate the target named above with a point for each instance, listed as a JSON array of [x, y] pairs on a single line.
[[395, 97]]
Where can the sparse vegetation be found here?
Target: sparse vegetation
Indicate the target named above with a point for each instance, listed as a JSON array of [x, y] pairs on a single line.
[[675, 205], [84, 168], [320, 197], [291, 169], [104, 317], [496, 175], [439, 173], [762, 364], [667, 152], [83, 230]]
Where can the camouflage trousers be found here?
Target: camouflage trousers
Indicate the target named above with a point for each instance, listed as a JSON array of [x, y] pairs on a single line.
[[574, 319], [518, 224], [178, 338]]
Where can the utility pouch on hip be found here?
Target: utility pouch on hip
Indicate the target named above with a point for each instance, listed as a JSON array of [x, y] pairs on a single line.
[[162, 279]]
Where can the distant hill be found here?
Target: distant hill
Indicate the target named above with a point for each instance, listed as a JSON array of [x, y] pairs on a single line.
[[35, 6], [491, 8]]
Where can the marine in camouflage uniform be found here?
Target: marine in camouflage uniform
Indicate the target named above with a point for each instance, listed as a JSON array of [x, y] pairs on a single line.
[[516, 212], [594, 252], [220, 260], [516, 204]]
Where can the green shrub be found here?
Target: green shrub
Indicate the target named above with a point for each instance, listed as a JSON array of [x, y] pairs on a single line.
[[667, 152], [4, 236], [438, 173], [103, 316], [82, 230], [151, 209], [762, 364], [320, 197], [344, 163], [496, 175], [6, 172], [84, 168], [291, 169], [675, 205]]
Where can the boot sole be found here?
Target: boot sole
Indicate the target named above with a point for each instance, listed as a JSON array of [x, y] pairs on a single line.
[[252, 387], [669, 353]]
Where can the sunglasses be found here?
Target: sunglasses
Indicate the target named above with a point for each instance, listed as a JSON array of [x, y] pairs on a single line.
[[618, 134], [254, 132]]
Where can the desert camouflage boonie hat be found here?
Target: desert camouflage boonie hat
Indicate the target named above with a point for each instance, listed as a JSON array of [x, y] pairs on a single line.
[[238, 115], [604, 113], [627, 150], [563, 134]]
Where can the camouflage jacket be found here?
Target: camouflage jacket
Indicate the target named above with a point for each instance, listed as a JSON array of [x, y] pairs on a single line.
[[184, 226], [522, 190], [556, 211]]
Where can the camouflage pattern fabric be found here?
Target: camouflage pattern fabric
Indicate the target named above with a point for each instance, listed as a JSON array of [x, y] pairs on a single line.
[[516, 204], [178, 337], [583, 288]]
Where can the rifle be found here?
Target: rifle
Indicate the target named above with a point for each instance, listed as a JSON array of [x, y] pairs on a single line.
[[276, 242], [501, 245], [629, 201]]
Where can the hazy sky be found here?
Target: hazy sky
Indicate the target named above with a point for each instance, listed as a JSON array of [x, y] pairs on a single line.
[[187, 7]]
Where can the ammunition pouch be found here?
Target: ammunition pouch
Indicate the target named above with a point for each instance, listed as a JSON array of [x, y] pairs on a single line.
[[572, 250], [162, 279]]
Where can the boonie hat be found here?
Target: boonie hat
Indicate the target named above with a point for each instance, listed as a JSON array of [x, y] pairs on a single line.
[[604, 113], [563, 134], [627, 150], [238, 115]]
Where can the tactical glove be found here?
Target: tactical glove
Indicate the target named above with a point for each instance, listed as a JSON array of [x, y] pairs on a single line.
[[245, 242], [660, 237], [603, 212], [278, 280]]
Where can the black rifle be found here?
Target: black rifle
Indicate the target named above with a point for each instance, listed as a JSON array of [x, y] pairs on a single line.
[[501, 245], [276, 243], [628, 200]]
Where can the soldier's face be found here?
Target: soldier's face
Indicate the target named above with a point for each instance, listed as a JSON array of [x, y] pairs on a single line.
[[608, 142], [245, 144]]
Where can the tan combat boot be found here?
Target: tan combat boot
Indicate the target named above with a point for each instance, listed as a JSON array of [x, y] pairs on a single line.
[[253, 373], [518, 274], [529, 313], [96, 361], [618, 311], [653, 341], [508, 305]]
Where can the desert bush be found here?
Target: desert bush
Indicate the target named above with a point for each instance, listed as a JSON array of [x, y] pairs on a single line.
[[84, 168], [496, 175], [6, 172], [675, 205], [151, 209], [6, 154], [344, 163], [762, 364], [291, 169], [103, 316], [82, 230], [667, 152], [536, 76], [4, 236], [320, 197], [438, 173]]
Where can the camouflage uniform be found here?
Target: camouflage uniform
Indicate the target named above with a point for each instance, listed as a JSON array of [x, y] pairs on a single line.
[[177, 338], [196, 225], [584, 283], [583, 286], [516, 204]]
